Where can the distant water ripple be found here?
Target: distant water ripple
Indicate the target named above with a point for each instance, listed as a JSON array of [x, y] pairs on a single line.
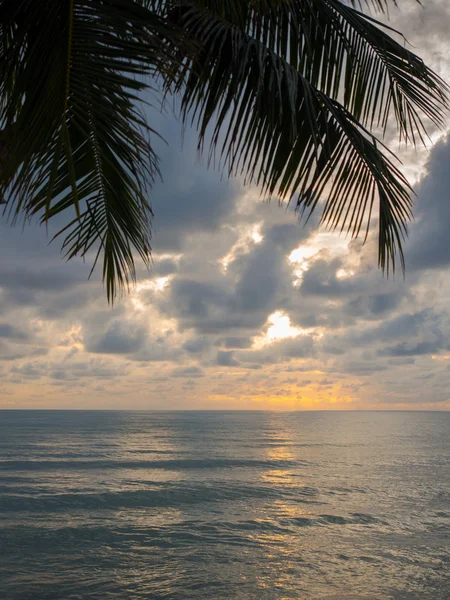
[[224, 505]]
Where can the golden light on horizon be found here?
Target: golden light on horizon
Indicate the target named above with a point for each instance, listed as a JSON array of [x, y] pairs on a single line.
[[440, 357]]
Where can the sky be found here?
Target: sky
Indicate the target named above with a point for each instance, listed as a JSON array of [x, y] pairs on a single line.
[[244, 307]]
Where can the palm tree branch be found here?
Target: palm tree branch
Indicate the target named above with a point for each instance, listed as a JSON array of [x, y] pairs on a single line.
[[341, 51], [81, 141], [291, 138]]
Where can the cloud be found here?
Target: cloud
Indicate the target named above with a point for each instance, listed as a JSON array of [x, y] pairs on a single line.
[[190, 199], [182, 372], [226, 359], [196, 345], [122, 337], [412, 349], [13, 333], [221, 269], [235, 342], [429, 246]]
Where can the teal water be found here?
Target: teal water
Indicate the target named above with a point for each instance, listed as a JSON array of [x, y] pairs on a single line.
[[224, 505]]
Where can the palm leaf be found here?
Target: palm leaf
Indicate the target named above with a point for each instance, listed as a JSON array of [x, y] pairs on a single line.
[[72, 75], [291, 88]]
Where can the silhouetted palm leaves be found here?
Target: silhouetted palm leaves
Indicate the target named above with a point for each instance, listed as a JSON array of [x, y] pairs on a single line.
[[290, 89]]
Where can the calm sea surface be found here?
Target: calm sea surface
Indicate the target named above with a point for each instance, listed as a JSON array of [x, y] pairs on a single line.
[[224, 505]]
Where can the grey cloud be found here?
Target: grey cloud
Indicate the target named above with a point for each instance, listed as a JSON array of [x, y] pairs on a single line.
[[265, 274], [321, 280], [11, 352], [256, 283], [62, 376], [401, 326], [28, 371], [403, 361], [363, 368], [187, 372], [196, 345], [288, 236], [196, 300], [190, 199], [429, 240], [376, 305], [11, 332], [157, 349], [85, 369], [164, 267], [122, 337], [235, 342], [280, 351], [226, 359], [54, 279], [412, 349]]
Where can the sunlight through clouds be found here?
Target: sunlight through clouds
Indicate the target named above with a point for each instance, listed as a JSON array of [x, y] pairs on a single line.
[[281, 327], [155, 285], [300, 258], [247, 239]]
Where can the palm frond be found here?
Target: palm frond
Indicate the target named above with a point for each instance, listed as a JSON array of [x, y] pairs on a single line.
[[72, 73], [291, 87]]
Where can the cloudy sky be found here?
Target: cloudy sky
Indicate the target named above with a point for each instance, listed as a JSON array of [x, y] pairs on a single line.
[[244, 308]]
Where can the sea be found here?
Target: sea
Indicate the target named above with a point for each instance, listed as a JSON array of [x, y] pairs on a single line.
[[224, 505]]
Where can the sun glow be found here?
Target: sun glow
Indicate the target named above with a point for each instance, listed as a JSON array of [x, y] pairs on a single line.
[[156, 285], [440, 356], [243, 245], [300, 258], [280, 327], [344, 273]]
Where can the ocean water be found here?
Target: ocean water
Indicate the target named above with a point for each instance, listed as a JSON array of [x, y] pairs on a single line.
[[224, 505]]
